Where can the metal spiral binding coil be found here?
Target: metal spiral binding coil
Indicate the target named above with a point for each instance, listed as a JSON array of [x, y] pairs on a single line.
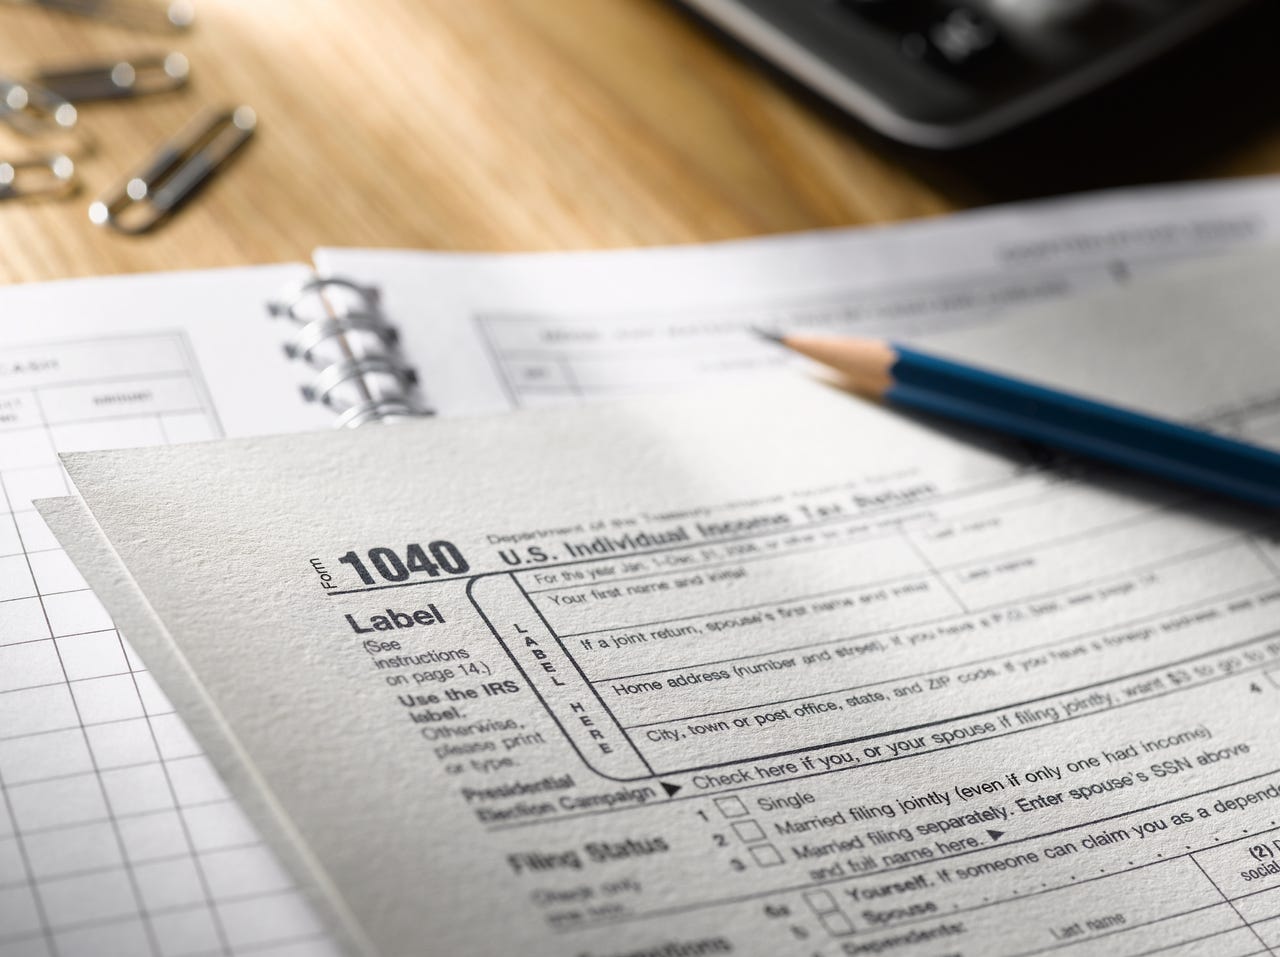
[[354, 350]]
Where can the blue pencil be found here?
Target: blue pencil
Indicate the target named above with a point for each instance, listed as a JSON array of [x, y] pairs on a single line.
[[917, 380]]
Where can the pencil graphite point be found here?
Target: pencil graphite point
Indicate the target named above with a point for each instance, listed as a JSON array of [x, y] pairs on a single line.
[[770, 335]]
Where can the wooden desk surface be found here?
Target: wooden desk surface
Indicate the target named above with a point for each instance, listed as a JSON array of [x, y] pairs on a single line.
[[466, 124]]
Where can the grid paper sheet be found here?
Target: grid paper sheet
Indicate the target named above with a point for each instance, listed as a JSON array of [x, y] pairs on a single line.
[[117, 837]]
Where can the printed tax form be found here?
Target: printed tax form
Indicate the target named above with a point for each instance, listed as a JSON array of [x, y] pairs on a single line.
[[116, 836], [762, 671]]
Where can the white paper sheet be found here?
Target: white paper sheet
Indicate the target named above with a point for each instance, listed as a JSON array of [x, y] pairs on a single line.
[[766, 672]]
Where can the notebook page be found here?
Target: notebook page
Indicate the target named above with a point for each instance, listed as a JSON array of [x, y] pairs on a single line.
[[493, 332], [710, 680], [116, 835]]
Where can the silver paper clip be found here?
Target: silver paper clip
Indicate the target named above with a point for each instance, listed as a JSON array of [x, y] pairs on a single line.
[[50, 176], [138, 76], [175, 172], [143, 14], [34, 111]]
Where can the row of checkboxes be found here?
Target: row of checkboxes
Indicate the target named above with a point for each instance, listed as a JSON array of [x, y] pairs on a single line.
[[827, 910], [749, 832], [822, 903]]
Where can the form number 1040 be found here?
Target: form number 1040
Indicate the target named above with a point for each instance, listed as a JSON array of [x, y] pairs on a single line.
[[435, 559]]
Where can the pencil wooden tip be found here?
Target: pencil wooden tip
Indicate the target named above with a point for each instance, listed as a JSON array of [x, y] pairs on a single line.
[[866, 363]]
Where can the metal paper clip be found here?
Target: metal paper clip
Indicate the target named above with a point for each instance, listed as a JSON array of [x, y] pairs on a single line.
[[34, 111], [175, 172], [144, 14], [116, 80], [49, 176]]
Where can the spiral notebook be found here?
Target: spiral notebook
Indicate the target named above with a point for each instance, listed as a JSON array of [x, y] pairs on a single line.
[[116, 834]]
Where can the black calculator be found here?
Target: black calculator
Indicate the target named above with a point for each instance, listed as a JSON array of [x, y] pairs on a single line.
[[949, 73]]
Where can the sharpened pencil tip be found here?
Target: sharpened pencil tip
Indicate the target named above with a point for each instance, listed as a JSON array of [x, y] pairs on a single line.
[[770, 335]]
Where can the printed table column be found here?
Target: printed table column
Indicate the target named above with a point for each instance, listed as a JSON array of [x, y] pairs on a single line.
[[1246, 872]]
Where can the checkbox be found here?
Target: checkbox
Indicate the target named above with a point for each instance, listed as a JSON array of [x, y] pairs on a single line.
[[766, 855], [821, 902], [749, 831], [837, 924], [732, 807]]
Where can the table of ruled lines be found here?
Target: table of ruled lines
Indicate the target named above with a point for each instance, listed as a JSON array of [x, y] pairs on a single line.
[[550, 358], [117, 837]]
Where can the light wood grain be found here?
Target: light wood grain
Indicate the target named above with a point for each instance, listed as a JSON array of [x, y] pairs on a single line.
[[463, 124]]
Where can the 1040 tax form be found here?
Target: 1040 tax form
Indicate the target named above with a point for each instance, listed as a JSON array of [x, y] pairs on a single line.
[[762, 671], [116, 835]]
